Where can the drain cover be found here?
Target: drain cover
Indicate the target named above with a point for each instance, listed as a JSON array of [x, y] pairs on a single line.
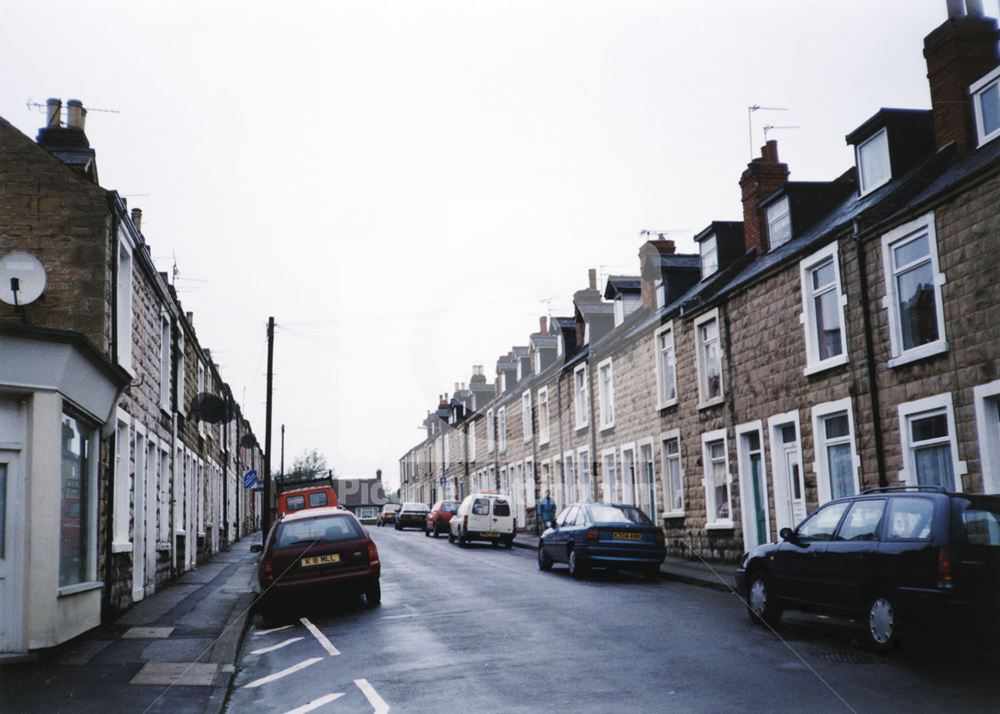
[[846, 657]]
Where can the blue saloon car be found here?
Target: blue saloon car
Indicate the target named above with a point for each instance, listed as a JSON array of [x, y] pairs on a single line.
[[603, 535]]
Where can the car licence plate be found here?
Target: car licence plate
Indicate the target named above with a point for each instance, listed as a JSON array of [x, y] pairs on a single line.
[[625, 535], [491, 534], [321, 560]]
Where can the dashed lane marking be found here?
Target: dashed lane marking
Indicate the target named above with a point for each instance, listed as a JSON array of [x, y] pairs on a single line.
[[283, 673], [378, 704], [320, 637], [272, 648], [316, 703], [273, 629]]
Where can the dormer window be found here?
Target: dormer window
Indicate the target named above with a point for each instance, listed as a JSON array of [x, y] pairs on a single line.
[[709, 257], [779, 223], [986, 103], [873, 162]]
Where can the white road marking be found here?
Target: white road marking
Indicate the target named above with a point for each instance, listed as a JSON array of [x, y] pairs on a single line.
[[283, 673], [316, 703], [373, 698], [272, 648], [273, 629], [327, 645]]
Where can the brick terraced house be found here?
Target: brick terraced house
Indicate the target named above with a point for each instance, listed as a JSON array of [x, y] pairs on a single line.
[[844, 335], [121, 448]]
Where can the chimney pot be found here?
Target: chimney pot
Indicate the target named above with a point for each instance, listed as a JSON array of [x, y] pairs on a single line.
[[53, 109], [974, 8], [956, 8], [592, 278], [76, 114], [769, 152], [137, 219]]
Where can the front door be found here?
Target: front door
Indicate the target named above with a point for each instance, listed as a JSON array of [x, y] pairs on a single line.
[[139, 539], [150, 531], [11, 551]]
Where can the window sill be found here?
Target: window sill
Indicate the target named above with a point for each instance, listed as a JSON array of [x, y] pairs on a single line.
[[80, 588], [919, 353], [828, 364], [543, 443], [720, 526], [607, 427], [711, 403], [121, 547], [581, 427], [666, 405], [163, 546], [675, 514]]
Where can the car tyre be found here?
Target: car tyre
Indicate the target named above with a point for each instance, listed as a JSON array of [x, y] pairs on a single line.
[[880, 622], [651, 573], [462, 540], [397, 526], [762, 606], [544, 561], [437, 532], [451, 537], [427, 531], [576, 568], [508, 544], [373, 595]]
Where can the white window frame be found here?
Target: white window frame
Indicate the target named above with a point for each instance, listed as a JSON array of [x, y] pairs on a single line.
[[661, 401], [917, 408], [977, 89], [783, 201], [472, 442], [544, 431], [123, 305], [446, 449], [881, 136], [201, 390], [986, 398], [181, 370], [821, 466], [166, 344], [711, 522], [808, 316], [709, 247], [490, 430], [654, 507], [527, 425], [581, 407], [585, 491], [570, 473], [609, 486], [121, 541], [529, 483], [502, 430], [628, 479], [606, 398], [667, 490], [746, 480], [703, 400], [891, 301], [166, 480]]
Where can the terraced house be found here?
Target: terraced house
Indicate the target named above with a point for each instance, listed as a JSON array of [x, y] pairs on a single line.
[[121, 448], [843, 336]]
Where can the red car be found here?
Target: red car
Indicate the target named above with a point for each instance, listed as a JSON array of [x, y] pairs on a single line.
[[313, 551], [437, 519]]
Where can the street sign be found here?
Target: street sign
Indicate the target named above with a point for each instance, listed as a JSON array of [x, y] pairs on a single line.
[[250, 479]]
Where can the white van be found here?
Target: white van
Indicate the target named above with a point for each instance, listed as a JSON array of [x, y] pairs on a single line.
[[483, 516]]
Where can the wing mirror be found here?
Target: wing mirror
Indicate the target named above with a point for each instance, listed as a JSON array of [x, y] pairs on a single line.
[[787, 534]]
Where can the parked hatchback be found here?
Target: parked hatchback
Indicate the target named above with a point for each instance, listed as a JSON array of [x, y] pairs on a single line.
[[483, 516], [437, 520], [411, 515], [894, 558], [313, 552], [388, 513], [603, 535]]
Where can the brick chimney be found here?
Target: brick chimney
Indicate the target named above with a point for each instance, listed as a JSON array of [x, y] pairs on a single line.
[[651, 269], [137, 219], [762, 177], [543, 325], [958, 52]]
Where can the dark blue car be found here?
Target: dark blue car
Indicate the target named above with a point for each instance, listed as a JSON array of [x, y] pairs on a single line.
[[603, 535]]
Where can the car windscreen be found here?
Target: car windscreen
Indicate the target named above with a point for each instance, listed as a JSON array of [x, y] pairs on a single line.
[[317, 499], [295, 503], [981, 522], [617, 514], [317, 530], [501, 507]]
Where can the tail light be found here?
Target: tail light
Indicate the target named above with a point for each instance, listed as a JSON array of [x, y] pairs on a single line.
[[944, 575], [266, 572], [592, 535], [660, 538], [465, 522], [372, 553]]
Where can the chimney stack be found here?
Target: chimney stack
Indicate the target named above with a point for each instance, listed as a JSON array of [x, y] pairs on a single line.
[[762, 177], [76, 114], [190, 319], [543, 325], [592, 278], [53, 111], [651, 269], [958, 52], [137, 219]]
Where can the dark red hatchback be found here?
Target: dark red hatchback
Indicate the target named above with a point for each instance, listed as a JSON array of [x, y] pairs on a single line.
[[316, 552]]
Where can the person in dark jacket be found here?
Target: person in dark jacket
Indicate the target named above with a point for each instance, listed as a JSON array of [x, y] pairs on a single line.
[[546, 511]]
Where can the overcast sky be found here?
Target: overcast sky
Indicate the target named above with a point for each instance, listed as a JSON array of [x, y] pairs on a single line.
[[406, 186]]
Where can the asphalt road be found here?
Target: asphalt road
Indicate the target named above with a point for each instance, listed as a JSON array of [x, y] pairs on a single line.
[[481, 629]]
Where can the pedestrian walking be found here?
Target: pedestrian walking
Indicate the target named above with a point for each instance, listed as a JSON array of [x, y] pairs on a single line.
[[546, 511]]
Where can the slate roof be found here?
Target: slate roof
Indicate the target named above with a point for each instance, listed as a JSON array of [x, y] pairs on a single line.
[[619, 284]]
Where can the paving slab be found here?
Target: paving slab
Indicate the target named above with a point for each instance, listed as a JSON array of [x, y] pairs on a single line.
[[179, 673], [147, 633]]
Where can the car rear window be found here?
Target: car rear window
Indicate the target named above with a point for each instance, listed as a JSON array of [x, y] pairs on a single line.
[[416, 507], [982, 524], [617, 514], [449, 507], [317, 530], [501, 508], [910, 518], [317, 499], [393, 507], [481, 507], [295, 503]]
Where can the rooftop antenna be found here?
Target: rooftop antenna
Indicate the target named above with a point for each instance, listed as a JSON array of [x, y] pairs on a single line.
[[755, 108], [175, 271], [771, 127], [41, 108], [654, 233]]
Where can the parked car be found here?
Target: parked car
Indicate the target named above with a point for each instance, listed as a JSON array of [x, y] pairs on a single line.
[[437, 520], [483, 516], [411, 515], [314, 552], [388, 513], [603, 535], [890, 557], [298, 499]]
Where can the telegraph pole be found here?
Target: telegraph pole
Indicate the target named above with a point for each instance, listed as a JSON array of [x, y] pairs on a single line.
[[266, 515], [282, 452]]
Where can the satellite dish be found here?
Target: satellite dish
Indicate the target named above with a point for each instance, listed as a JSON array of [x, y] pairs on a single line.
[[22, 279]]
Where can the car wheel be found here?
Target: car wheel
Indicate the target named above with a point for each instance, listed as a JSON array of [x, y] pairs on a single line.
[[462, 540], [576, 568], [373, 595], [451, 536], [761, 603], [436, 531], [508, 544], [544, 561], [427, 531], [881, 622], [651, 573], [397, 526]]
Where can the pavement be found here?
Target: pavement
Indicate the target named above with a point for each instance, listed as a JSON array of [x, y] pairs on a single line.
[[711, 574], [175, 651]]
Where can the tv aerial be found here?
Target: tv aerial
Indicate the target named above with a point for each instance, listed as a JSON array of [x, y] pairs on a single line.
[[22, 279]]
